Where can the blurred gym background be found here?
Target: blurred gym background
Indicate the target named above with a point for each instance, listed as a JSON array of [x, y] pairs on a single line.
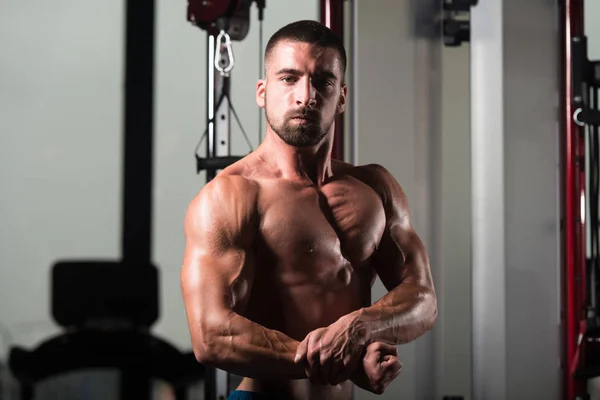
[[463, 104]]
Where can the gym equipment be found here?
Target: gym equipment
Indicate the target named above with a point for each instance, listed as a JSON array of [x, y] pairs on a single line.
[[456, 21], [582, 298], [108, 307], [224, 22], [574, 229]]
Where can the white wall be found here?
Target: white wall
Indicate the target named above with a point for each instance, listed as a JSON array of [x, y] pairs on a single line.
[[487, 165], [516, 234], [60, 148], [386, 125], [533, 256], [399, 127], [592, 28], [453, 330]]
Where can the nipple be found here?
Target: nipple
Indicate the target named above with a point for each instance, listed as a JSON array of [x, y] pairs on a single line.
[[344, 275]]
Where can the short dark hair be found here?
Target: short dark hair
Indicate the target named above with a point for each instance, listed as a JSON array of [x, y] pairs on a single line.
[[308, 31]]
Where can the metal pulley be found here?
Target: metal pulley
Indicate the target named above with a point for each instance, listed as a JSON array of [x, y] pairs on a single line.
[[214, 16], [208, 11]]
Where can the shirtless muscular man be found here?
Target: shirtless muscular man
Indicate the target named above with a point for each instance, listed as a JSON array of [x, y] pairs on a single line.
[[282, 247]]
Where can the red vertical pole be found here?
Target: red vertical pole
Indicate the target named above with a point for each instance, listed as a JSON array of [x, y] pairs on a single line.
[[332, 15], [573, 201]]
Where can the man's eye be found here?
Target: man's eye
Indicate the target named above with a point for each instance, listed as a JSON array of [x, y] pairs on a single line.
[[288, 79], [322, 82]]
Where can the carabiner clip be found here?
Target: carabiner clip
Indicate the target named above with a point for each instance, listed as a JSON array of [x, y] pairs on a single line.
[[219, 54]]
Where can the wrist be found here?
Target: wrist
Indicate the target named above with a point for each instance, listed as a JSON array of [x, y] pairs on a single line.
[[361, 329]]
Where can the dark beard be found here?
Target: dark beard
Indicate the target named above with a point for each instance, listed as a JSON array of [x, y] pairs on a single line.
[[307, 135]]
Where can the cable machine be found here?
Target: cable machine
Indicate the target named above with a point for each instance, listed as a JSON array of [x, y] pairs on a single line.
[[581, 222], [224, 22]]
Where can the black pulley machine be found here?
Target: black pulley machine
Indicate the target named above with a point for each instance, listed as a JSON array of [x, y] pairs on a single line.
[[224, 22]]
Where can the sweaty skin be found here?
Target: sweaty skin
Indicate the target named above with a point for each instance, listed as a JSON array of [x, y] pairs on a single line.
[[282, 249]]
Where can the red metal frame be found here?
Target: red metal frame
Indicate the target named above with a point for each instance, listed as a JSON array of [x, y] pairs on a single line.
[[332, 15], [574, 193]]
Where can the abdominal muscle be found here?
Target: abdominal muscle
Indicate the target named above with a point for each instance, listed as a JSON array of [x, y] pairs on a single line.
[[296, 310]]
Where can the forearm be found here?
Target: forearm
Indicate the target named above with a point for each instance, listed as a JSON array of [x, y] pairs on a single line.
[[402, 315], [248, 349]]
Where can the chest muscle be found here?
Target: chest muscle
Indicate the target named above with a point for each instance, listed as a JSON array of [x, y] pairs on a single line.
[[329, 231]]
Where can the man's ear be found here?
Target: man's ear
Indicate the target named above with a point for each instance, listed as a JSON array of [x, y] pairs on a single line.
[[260, 92], [342, 103]]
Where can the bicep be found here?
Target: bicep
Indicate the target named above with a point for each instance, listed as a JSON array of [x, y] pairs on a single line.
[[402, 258], [217, 264], [208, 280]]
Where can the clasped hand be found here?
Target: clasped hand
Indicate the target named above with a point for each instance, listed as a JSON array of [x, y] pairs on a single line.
[[344, 351]]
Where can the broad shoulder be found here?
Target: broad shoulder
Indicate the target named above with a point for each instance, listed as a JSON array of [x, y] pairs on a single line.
[[383, 183], [373, 175], [228, 199], [227, 188]]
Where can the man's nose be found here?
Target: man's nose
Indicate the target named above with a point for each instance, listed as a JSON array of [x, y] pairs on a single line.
[[306, 94]]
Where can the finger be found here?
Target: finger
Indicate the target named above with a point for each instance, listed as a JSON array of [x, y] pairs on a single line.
[[309, 374], [325, 364], [313, 374], [385, 358], [342, 375], [301, 350], [313, 356], [336, 373], [390, 371], [393, 366], [388, 361], [388, 349], [341, 371], [351, 361], [394, 372], [397, 366]]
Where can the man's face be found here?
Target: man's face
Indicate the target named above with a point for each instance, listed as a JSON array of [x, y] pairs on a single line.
[[302, 93]]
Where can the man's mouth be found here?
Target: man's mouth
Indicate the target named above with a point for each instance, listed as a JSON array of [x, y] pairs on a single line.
[[307, 118]]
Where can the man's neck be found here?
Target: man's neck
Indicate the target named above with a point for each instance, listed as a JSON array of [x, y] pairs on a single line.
[[312, 163]]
